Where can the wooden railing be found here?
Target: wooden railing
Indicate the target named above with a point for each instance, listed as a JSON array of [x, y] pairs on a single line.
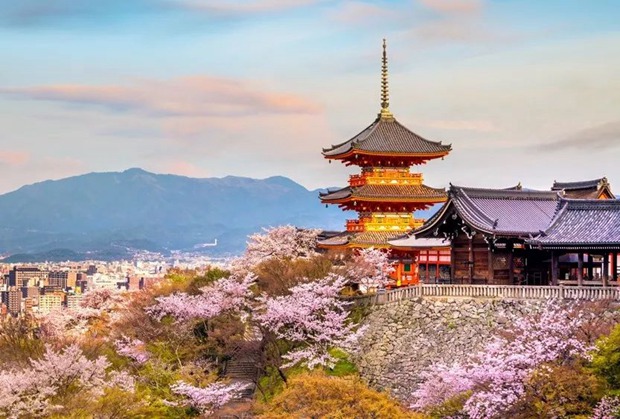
[[521, 292]]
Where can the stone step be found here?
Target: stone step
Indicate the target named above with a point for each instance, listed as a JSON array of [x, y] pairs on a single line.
[[242, 369], [250, 375]]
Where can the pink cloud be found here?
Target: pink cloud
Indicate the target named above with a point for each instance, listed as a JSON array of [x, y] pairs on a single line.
[[461, 125], [454, 6], [356, 12], [185, 168], [186, 96], [19, 169], [453, 29], [244, 6], [14, 158]]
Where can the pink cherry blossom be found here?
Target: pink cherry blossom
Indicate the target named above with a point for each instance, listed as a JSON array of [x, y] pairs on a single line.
[[31, 391], [226, 294], [132, 348], [370, 268], [75, 322], [280, 242], [497, 374], [607, 408], [210, 398], [313, 317]]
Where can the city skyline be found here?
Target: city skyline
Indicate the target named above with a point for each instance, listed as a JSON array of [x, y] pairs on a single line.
[[258, 88]]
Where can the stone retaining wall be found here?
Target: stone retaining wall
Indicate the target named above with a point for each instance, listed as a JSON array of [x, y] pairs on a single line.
[[404, 338]]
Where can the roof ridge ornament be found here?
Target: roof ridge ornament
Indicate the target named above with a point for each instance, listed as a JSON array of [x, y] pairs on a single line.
[[385, 113]]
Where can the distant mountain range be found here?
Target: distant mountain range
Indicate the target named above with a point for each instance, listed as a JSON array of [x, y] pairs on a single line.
[[109, 215], [104, 214]]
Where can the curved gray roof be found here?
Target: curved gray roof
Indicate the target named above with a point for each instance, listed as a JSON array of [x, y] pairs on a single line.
[[398, 192], [583, 223], [584, 184], [387, 135], [502, 212], [586, 189], [420, 242], [361, 239]]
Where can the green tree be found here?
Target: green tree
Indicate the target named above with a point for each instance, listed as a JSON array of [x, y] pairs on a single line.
[[606, 360]]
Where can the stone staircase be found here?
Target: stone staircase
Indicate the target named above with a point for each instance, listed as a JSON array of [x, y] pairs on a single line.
[[243, 370]]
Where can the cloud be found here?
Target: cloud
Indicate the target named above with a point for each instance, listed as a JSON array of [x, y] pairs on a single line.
[[461, 125], [358, 12], [455, 21], [198, 96], [26, 168], [13, 158], [243, 6], [37, 12], [453, 6], [601, 137], [453, 29], [184, 168], [45, 12]]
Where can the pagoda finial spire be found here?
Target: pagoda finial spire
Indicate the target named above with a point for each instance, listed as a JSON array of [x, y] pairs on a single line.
[[385, 92]]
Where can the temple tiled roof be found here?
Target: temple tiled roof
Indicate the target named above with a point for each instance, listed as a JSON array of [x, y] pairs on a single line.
[[587, 189], [388, 136], [401, 193], [584, 184], [421, 242], [363, 239], [502, 212], [373, 238], [340, 239], [583, 224]]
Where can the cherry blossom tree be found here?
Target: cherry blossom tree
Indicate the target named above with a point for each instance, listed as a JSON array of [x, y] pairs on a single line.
[[280, 242], [70, 323], [370, 268], [74, 323], [132, 348], [210, 398], [607, 408], [313, 318], [496, 376], [225, 295], [103, 299], [32, 391]]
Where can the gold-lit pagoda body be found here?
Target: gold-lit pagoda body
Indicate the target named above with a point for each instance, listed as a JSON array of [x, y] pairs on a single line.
[[385, 194]]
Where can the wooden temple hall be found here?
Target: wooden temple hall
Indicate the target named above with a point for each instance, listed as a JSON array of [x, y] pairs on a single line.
[[569, 233], [517, 236]]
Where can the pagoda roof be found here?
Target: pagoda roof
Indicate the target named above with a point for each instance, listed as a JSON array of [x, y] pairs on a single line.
[[399, 193], [361, 239], [387, 136], [333, 238], [582, 224], [502, 212], [586, 189]]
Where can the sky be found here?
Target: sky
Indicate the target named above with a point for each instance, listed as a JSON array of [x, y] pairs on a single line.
[[525, 90]]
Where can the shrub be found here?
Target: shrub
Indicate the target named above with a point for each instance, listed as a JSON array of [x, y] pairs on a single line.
[[313, 395], [606, 360], [559, 391]]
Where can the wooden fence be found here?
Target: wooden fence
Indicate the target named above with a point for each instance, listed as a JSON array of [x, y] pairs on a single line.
[[522, 292]]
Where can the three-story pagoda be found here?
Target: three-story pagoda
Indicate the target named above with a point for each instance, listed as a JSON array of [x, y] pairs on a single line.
[[386, 193]]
